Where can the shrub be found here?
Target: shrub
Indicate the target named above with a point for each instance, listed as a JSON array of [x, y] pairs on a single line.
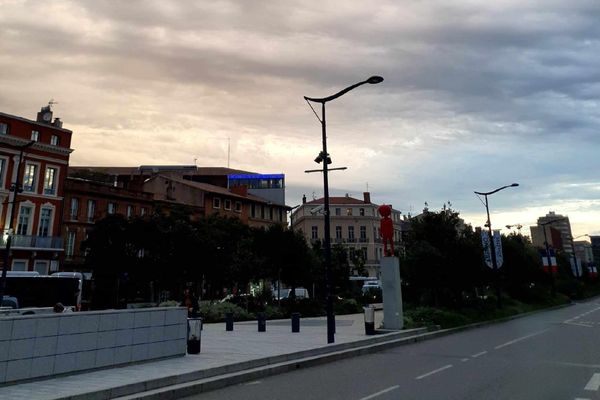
[[347, 306], [215, 312]]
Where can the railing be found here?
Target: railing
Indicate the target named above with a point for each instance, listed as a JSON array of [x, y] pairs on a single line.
[[351, 240], [363, 240], [36, 242]]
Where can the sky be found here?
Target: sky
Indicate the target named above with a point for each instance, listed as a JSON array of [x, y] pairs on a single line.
[[477, 95]]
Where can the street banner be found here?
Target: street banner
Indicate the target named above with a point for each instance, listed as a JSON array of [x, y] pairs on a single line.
[[576, 267], [487, 254], [498, 248], [553, 265]]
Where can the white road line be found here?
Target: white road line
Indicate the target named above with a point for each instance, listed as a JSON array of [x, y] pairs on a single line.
[[435, 371], [579, 398], [479, 354], [380, 392], [253, 383], [519, 339], [464, 359], [594, 383]]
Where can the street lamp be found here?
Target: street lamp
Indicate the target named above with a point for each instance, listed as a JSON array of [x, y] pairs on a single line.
[[324, 158], [492, 247], [15, 188]]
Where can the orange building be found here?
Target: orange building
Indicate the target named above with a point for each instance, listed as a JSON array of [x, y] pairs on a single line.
[[34, 157]]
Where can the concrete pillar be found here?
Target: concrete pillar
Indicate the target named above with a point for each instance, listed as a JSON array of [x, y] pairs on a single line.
[[393, 317]]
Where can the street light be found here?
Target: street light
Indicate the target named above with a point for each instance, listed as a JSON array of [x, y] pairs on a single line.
[[492, 247], [15, 188], [324, 158]]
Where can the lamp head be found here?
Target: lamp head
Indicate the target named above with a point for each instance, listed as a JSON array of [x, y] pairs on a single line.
[[514, 185], [375, 79]]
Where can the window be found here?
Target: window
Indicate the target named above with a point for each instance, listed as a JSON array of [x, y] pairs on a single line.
[[35, 135], [74, 210], [348, 211], [54, 140], [19, 265], [45, 222], [253, 210], [271, 213], [41, 266], [3, 128], [30, 177], [143, 211], [361, 212], [50, 181], [338, 232], [112, 208], [338, 211], [351, 232], [70, 244], [91, 210], [129, 211], [262, 211], [24, 225], [238, 206], [314, 232], [2, 172], [363, 233], [216, 202], [363, 251], [227, 204]]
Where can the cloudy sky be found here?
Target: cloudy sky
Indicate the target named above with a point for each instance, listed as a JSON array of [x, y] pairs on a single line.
[[476, 95]]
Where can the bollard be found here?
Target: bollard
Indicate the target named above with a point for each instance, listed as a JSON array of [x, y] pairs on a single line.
[[295, 322], [194, 335], [229, 322], [262, 322], [369, 320]]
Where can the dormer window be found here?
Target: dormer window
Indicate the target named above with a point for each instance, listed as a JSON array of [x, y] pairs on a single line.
[[35, 135], [3, 128], [54, 140]]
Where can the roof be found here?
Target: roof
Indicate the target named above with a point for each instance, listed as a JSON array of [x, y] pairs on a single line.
[[338, 200], [137, 170], [30, 121], [216, 189]]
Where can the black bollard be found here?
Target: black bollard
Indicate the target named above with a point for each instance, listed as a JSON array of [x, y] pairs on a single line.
[[295, 322], [369, 320], [229, 322], [262, 322]]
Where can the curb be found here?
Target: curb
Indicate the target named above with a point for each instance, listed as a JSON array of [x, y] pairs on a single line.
[[245, 374]]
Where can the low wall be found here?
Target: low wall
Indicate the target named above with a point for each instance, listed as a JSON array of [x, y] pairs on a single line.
[[35, 346]]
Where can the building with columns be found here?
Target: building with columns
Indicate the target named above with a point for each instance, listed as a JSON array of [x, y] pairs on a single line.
[[34, 157], [354, 225]]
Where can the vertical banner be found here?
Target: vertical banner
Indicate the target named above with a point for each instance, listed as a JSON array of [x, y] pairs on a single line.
[[487, 254], [498, 248]]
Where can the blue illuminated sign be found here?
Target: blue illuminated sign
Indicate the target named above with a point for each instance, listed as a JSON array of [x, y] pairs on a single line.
[[257, 176]]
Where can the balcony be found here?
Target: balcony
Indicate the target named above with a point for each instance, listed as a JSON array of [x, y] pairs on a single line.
[[351, 240], [34, 242], [363, 240]]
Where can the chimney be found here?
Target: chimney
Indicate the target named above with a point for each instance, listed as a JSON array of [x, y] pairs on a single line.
[[57, 123], [303, 199], [367, 197], [241, 190]]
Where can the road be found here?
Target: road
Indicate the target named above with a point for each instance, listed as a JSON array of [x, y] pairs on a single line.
[[549, 355]]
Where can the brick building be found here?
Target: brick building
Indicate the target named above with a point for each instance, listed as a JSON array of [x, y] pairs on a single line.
[[37, 243]]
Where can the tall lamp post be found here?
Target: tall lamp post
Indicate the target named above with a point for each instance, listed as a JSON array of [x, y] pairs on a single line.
[[15, 188], [492, 247], [326, 160]]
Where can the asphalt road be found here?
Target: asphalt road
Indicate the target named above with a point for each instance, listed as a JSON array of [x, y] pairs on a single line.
[[550, 355]]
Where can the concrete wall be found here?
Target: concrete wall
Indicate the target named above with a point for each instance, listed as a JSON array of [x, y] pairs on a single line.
[[43, 345]]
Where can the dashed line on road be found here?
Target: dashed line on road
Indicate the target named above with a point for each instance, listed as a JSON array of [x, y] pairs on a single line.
[[464, 359], [372, 396], [594, 383], [520, 339], [253, 383], [479, 354], [435, 371]]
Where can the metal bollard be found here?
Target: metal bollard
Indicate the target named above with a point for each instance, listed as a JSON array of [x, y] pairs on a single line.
[[295, 322], [262, 322], [369, 320], [194, 335], [229, 322]]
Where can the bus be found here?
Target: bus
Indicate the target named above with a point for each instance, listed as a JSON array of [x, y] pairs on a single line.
[[37, 293]]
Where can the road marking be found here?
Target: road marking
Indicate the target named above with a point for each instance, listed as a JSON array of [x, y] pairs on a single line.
[[380, 392], [479, 354], [570, 364], [435, 371], [579, 398], [253, 383], [464, 359], [594, 383], [520, 339]]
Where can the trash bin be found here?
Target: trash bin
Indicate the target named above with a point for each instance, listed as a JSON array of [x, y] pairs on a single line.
[[229, 321], [194, 334], [369, 320]]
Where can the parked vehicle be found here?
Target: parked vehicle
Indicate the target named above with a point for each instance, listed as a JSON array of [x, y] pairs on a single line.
[[301, 293]]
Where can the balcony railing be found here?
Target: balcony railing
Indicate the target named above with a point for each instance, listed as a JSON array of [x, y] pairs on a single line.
[[34, 242]]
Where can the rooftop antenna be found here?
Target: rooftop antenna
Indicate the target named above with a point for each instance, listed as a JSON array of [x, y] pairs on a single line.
[[367, 186], [195, 162]]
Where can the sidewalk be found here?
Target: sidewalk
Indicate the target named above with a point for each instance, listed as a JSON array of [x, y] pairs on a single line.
[[222, 353]]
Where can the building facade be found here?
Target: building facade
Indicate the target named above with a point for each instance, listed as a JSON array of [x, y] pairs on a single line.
[[559, 223], [355, 224], [34, 157]]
